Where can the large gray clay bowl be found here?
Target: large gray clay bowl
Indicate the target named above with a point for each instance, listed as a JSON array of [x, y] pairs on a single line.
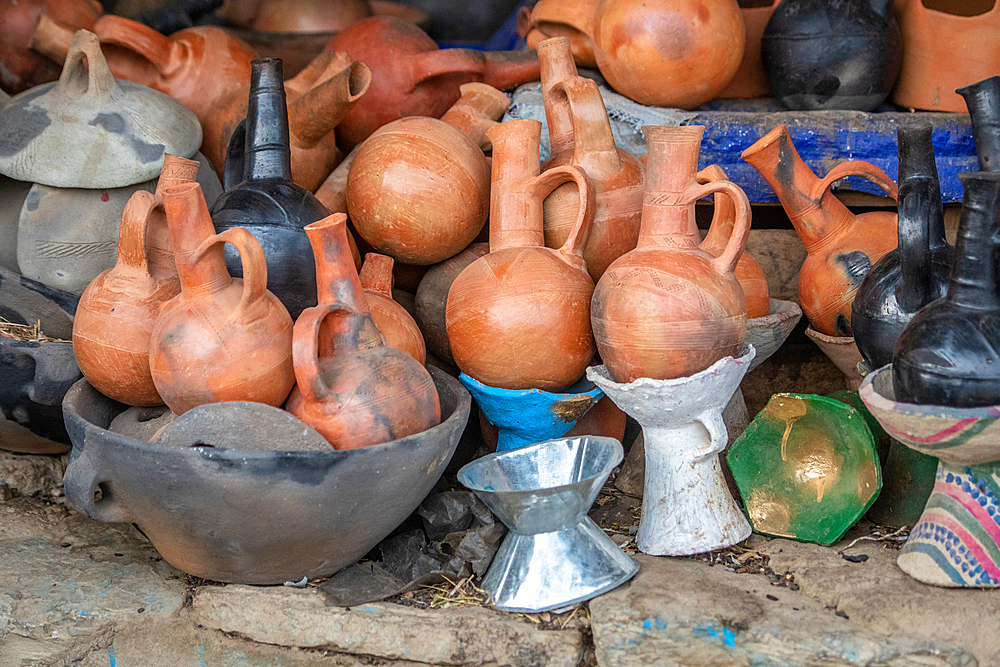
[[255, 517]]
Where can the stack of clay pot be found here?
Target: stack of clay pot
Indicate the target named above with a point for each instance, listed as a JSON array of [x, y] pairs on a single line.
[[79, 142]]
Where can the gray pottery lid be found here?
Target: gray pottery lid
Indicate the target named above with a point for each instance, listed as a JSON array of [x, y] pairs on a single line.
[[89, 130]]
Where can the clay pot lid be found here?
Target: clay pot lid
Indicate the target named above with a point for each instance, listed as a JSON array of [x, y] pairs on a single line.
[[89, 130]]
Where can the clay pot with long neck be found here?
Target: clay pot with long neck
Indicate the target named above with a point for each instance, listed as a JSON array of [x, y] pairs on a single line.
[[841, 246], [397, 326], [352, 387], [669, 309], [519, 318], [221, 338], [266, 201], [748, 271], [21, 67], [616, 176], [411, 76], [116, 313], [983, 101], [914, 274], [418, 189]]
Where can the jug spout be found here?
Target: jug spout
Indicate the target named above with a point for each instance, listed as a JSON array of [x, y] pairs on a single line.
[[477, 110], [190, 225], [983, 100], [329, 90], [555, 57]]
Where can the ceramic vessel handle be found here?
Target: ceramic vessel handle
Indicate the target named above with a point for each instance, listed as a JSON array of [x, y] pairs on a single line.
[[549, 180], [857, 168], [82, 480], [718, 435], [141, 40], [95, 80], [305, 350], [429, 64], [730, 257], [251, 257], [132, 233]]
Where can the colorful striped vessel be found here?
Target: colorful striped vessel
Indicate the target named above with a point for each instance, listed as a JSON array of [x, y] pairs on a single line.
[[956, 542]]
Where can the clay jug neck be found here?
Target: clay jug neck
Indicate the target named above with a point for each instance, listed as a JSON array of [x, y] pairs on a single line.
[[515, 216], [338, 285], [972, 283], [267, 150], [672, 162], [176, 170], [555, 57], [476, 111], [376, 273], [983, 100], [323, 94], [921, 215], [594, 146], [817, 216], [201, 272]]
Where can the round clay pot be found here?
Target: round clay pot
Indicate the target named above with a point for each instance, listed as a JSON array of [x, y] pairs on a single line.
[[672, 53], [396, 325], [334, 506], [20, 67]]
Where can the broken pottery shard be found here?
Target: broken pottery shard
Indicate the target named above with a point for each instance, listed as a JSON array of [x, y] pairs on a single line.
[[241, 425]]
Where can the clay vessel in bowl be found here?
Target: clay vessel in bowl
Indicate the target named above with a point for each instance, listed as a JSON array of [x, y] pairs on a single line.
[[412, 77], [519, 318], [672, 53], [220, 339], [336, 505], [352, 387], [418, 189], [397, 326], [841, 246], [669, 309]]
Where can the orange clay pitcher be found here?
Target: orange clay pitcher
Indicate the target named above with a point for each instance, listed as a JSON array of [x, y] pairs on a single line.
[[669, 309], [519, 318], [352, 387], [841, 246]]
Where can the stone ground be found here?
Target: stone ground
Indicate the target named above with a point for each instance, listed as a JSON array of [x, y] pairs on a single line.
[[77, 592]]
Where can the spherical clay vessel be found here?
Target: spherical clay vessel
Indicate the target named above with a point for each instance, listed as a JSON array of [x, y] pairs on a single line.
[[671, 53]]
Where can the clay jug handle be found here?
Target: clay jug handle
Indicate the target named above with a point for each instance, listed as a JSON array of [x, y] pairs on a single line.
[[549, 180], [132, 233], [251, 257], [305, 350], [730, 257], [857, 168], [429, 64], [95, 80], [139, 39]]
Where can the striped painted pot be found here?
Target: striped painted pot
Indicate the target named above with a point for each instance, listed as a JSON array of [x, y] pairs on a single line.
[[956, 542]]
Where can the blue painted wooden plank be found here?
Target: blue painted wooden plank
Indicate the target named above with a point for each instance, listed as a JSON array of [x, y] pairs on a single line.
[[826, 138]]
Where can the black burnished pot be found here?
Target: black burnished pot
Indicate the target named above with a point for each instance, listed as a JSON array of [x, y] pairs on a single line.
[[949, 354], [983, 100], [832, 54], [916, 273], [267, 202]]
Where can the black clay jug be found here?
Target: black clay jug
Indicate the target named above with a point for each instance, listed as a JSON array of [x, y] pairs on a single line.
[[949, 353], [267, 202], [832, 54], [916, 272], [983, 100]]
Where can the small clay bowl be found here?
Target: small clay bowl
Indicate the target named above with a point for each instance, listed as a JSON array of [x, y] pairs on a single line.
[[768, 333], [255, 517]]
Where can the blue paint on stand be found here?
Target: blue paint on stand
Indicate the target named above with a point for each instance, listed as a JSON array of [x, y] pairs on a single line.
[[527, 416]]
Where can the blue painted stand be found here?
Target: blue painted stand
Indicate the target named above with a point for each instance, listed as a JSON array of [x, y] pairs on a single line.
[[527, 416], [826, 138]]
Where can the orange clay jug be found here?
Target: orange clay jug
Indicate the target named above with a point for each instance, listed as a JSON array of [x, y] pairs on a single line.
[[572, 19], [352, 387], [116, 313], [221, 338], [841, 246], [616, 176], [748, 272], [519, 318], [669, 309], [398, 327]]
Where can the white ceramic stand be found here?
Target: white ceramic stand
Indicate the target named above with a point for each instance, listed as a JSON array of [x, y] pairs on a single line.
[[686, 505]]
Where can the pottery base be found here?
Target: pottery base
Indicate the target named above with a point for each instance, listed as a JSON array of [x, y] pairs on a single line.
[[534, 573], [956, 543]]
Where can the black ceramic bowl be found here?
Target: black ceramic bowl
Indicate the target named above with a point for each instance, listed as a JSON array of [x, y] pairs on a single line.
[[255, 517]]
